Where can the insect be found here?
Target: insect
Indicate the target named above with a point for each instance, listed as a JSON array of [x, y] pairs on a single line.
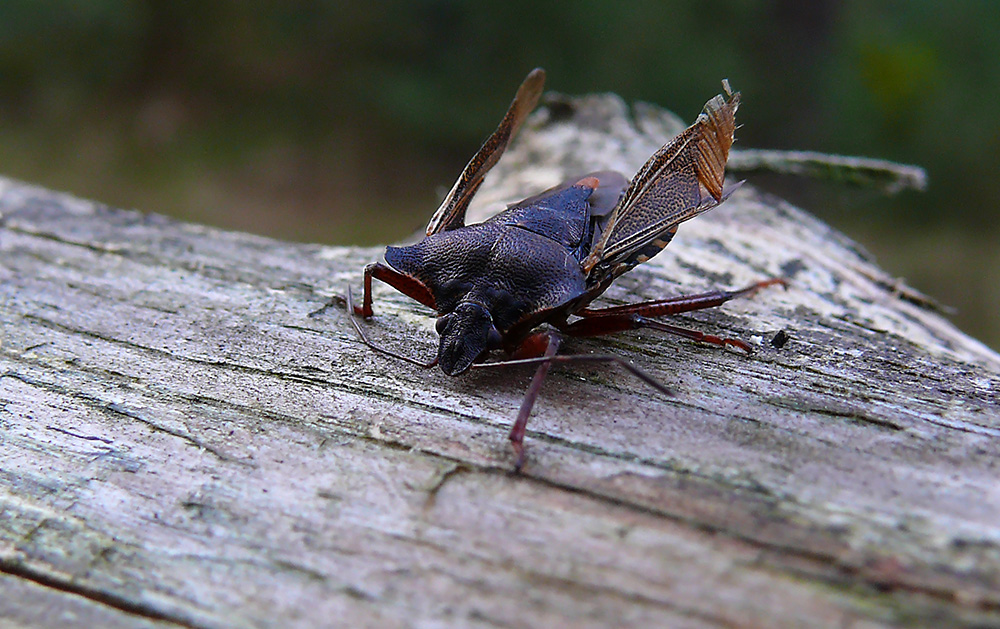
[[545, 259]]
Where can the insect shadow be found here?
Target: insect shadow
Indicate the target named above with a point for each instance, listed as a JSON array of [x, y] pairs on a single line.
[[545, 259]]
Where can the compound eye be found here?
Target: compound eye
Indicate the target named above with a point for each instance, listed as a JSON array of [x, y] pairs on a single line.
[[443, 322]]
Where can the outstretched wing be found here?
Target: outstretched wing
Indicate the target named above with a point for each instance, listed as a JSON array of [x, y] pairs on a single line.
[[451, 214], [667, 191]]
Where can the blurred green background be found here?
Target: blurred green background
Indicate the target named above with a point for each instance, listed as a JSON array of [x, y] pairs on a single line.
[[342, 122]]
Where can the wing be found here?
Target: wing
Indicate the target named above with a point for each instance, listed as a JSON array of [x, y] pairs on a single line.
[[667, 191], [451, 214]]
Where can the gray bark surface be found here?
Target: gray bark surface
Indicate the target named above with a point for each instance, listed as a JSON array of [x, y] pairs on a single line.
[[181, 443]]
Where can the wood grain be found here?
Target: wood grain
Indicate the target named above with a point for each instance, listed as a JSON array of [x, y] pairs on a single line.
[[183, 443]]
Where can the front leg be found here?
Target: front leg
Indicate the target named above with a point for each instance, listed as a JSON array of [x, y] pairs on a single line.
[[409, 286], [403, 283]]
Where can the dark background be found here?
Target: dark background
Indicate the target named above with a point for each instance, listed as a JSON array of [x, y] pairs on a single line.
[[342, 122]]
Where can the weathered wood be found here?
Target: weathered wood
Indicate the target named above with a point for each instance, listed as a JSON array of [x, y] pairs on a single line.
[[183, 444]]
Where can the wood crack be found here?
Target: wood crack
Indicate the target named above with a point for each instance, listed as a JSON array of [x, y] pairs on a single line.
[[110, 599]]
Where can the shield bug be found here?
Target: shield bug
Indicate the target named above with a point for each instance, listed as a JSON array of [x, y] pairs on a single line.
[[543, 261]]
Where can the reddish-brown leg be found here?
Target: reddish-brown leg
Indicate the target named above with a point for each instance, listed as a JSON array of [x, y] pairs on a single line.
[[598, 322], [609, 324], [405, 284], [353, 311], [540, 349], [682, 303], [521, 423], [409, 286]]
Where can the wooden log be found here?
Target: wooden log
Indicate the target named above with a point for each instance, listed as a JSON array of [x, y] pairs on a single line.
[[184, 443]]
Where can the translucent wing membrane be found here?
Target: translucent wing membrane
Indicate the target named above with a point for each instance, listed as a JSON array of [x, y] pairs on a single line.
[[667, 191], [451, 214]]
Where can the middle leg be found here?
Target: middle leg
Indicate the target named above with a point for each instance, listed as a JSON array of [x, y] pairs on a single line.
[[540, 349]]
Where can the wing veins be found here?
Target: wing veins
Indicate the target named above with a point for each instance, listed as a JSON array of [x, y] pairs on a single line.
[[704, 146], [451, 214]]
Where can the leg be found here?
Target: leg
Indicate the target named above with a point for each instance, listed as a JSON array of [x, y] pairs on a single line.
[[353, 311], [597, 322], [409, 286], [683, 303], [405, 284], [609, 324], [548, 343], [521, 423]]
